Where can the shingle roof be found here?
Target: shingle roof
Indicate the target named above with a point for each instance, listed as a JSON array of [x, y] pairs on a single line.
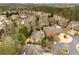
[[74, 25], [53, 28]]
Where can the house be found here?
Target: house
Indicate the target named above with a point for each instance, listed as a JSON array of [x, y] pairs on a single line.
[[43, 21], [14, 16], [2, 25], [74, 25], [73, 28], [31, 49], [38, 35], [30, 22], [52, 32], [3, 17], [22, 15], [61, 21]]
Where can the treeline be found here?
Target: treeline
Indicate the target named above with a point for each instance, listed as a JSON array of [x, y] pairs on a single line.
[[68, 12]]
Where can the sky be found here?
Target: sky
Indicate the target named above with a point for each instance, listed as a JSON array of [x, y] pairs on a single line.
[[39, 1]]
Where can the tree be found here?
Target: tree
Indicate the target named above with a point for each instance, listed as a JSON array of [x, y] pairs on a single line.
[[22, 35], [7, 46]]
